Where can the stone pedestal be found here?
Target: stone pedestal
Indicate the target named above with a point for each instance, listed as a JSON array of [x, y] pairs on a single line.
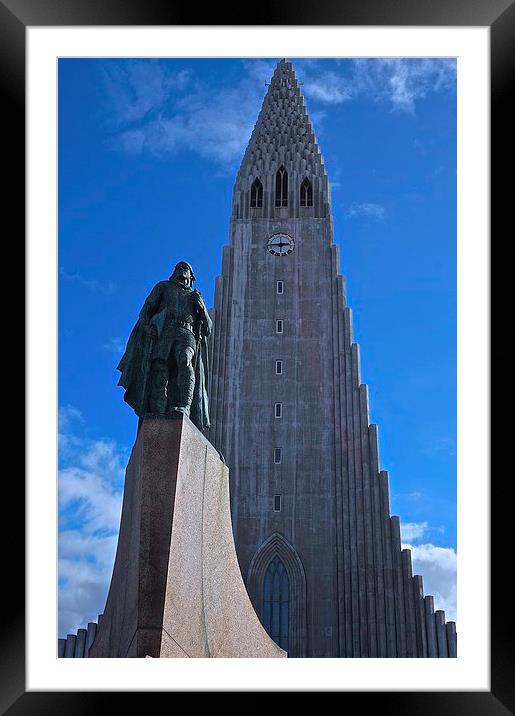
[[176, 589]]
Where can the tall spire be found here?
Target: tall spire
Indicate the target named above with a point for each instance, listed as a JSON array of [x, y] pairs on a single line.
[[283, 137], [283, 133]]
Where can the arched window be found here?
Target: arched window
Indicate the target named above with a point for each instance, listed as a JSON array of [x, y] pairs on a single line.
[[273, 552], [256, 194], [275, 602], [306, 193], [281, 187]]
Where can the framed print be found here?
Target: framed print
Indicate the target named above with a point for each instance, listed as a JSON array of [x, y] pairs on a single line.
[[87, 60]]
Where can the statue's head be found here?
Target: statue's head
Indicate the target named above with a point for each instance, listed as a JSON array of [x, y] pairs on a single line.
[[183, 273]]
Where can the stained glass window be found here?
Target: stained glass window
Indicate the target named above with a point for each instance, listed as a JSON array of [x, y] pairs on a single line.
[[256, 194], [275, 602], [306, 193]]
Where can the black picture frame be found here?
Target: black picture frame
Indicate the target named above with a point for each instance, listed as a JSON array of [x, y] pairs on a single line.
[[499, 16]]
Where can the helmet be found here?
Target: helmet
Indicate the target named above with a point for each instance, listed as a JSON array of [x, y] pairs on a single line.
[[182, 264]]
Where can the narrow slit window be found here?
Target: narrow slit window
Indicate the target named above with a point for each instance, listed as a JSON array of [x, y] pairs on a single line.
[[278, 367], [277, 503], [279, 326], [276, 602], [256, 194], [306, 193], [278, 410], [280, 287], [278, 456], [281, 187]]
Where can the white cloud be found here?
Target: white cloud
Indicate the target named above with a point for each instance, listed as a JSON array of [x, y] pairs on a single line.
[[93, 284], [401, 82], [260, 70], [328, 87], [437, 565], [66, 415], [136, 88], [413, 531], [115, 345], [373, 211], [216, 127], [83, 590], [90, 495], [397, 82], [156, 116]]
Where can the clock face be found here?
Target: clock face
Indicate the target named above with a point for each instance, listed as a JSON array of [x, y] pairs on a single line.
[[280, 244]]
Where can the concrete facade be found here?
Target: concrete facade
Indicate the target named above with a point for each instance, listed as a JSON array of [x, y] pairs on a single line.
[[316, 457]]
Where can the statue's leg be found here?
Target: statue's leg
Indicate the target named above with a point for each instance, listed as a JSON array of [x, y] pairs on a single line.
[[158, 382], [185, 376]]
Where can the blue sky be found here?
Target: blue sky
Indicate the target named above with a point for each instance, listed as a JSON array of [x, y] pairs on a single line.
[[148, 154]]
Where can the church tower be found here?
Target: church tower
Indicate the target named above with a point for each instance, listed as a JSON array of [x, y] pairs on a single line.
[[318, 550]]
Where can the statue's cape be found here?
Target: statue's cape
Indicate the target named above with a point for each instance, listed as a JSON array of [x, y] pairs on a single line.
[[199, 411], [135, 368]]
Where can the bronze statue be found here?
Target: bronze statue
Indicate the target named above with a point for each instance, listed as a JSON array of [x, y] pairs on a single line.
[[163, 369]]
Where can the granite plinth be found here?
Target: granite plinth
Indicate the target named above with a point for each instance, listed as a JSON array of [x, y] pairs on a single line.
[[176, 589]]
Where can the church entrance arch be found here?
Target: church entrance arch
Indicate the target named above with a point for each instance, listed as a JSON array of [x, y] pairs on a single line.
[[276, 584]]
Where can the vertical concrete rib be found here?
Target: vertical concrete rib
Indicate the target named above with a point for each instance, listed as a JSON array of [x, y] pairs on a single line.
[[452, 651], [215, 359], [354, 614], [411, 642], [222, 431], [225, 331], [221, 327], [61, 645], [441, 634], [358, 471], [347, 552], [339, 400], [80, 643], [218, 396], [369, 530], [69, 649], [92, 632], [420, 621], [378, 542], [391, 638], [398, 585], [429, 612]]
